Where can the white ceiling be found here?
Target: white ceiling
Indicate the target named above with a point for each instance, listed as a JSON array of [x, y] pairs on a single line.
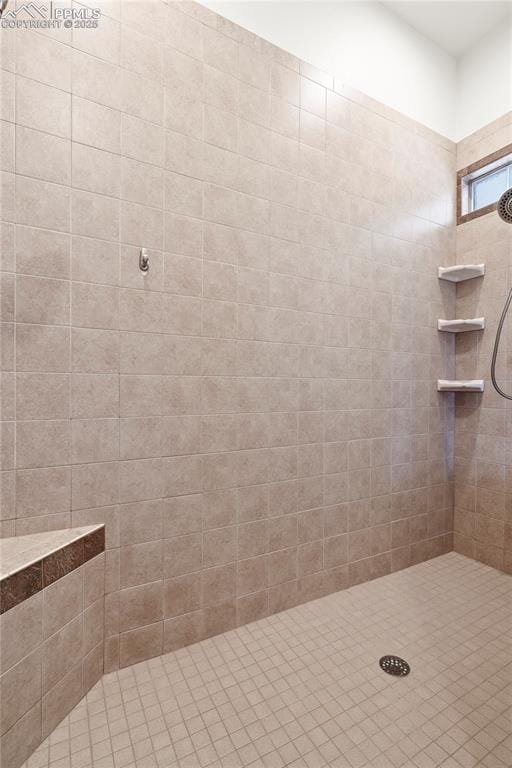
[[454, 26]]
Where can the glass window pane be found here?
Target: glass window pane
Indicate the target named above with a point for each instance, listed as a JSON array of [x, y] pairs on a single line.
[[488, 189]]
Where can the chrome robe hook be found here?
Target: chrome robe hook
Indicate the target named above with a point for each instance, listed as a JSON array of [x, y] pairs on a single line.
[[144, 260]]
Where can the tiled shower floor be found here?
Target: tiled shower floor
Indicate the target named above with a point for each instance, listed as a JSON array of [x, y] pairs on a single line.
[[304, 689]]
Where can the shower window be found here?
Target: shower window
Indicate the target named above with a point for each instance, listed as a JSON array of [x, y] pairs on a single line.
[[487, 189], [480, 186]]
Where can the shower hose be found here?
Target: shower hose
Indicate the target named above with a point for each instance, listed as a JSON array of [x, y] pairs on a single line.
[[496, 347]]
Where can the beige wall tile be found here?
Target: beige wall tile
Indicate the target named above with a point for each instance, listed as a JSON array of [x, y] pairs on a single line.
[[61, 651], [145, 437], [95, 125], [94, 583], [43, 108], [42, 396], [219, 546], [21, 687], [141, 479], [21, 630], [282, 566], [8, 386], [252, 607], [43, 156], [141, 140], [159, 313], [140, 605], [182, 595], [142, 183], [43, 443], [62, 601], [140, 53], [182, 515], [141, 97], [7, 289], [92, 79], [44, 59], [92, 667], [95, 170], [94, 395], [219, 51], [7, 454], [42, 348], [8, 91], [182, 631], [282, 532], [41, 252], [141, 563], [141, 225], [95, 485], [182, 554], [22, 739], [40, 204], [7, 492], [141, 522], [94, 306], [183, 195], [42, 300], [182, 235], [94, 215], [8, 186], [7, 231], [61, 699], [105, 44], [94, 440], [144, 354], [94, 351], [140, 644], [183, 275]]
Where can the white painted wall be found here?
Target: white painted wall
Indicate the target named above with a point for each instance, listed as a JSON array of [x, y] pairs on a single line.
[[372, 49], [366, 44], [484, 81]]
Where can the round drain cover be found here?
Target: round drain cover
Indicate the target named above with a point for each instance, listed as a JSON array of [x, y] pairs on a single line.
[[394, 665]]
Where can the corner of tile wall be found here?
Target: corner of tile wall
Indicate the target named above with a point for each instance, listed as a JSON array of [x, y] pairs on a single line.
[[483, 488]]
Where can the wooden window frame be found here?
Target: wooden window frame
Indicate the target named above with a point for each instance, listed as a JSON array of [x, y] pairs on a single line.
[[471, 170]]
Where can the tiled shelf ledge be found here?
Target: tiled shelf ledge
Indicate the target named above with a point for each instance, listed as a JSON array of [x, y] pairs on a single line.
[[31, 563], [461, 326], [463, 385], [460, 272]]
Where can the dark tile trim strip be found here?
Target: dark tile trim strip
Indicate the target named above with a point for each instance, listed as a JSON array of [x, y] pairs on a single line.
[[19, 586], [62, 562], [492, 158], [94, 543]]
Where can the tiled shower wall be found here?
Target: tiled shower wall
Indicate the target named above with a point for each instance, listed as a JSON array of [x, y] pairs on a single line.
[[483, 457], [255, 420]]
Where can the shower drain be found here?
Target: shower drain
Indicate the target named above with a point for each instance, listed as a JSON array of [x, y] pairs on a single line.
[[394, 665]]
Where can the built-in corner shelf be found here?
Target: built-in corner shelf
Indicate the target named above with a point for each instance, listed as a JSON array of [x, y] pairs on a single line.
[[457, 274], [463, 385], [461, 272], [460, 326]]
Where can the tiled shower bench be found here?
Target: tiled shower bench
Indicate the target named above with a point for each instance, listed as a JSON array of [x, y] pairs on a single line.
[[52, 590]]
